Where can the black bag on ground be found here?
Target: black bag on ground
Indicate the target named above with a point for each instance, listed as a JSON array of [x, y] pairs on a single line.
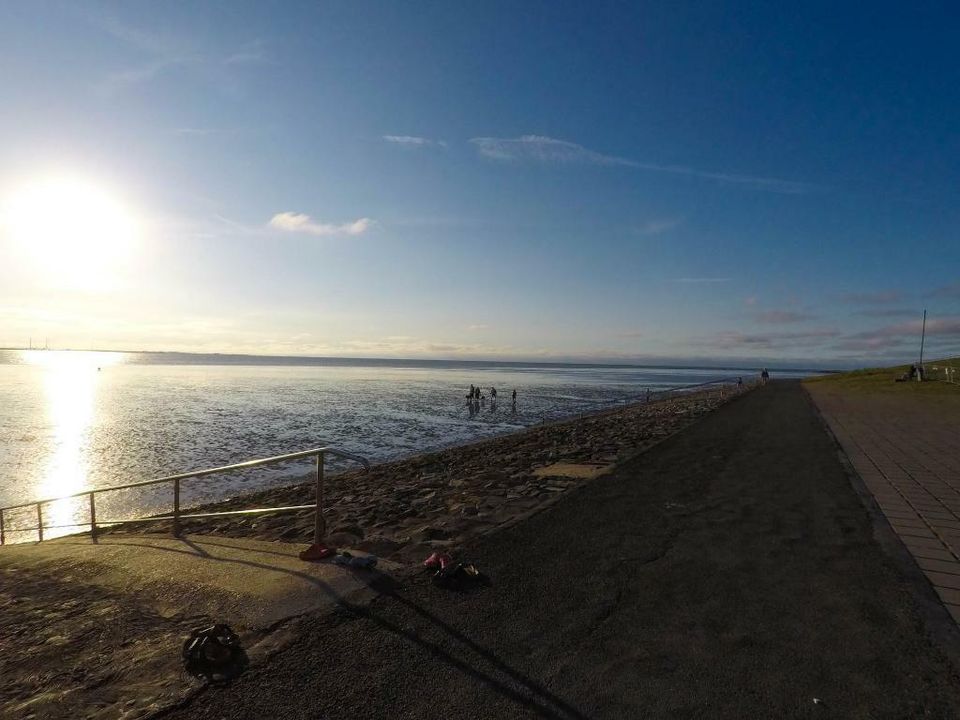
[[214, 653]]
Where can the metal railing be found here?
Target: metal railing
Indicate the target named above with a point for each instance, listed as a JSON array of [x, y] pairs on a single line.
[[177, 516]]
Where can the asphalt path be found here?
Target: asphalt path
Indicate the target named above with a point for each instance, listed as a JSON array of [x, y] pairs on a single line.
[[730, 572]]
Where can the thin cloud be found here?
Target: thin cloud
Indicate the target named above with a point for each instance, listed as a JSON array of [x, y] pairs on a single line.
[[478, 326], [947, 291], [872, 344], [780, 317], [887, 313], [701, 280], [728, 340], [948, 326], [872, 298], [656, 227], [301, 223], [902, 334], [253, 53], [413, 141], [164, 53], [541, 148]]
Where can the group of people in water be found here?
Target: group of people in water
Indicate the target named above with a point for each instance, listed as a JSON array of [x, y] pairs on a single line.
[[476, 394]]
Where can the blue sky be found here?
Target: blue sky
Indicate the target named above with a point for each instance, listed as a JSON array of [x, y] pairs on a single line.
[[610, 181]]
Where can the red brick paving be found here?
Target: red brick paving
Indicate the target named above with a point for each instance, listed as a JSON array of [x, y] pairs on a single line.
[[906, 448]]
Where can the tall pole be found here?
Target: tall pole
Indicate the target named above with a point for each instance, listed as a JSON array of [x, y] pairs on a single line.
[[923, 333]]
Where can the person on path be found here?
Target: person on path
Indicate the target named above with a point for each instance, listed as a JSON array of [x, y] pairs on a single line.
[[514, 395], [739, 383]]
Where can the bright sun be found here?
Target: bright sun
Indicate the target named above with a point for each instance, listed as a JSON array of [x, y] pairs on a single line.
[[69, 232]]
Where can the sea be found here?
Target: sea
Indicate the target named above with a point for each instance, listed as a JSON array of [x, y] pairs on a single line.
[[71, 420]]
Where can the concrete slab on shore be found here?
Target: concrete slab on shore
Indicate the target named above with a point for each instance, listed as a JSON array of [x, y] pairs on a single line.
[[250, 584]]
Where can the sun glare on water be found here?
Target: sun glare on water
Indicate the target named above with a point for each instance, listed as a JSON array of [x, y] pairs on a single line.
[[69, 232], [70, 382]]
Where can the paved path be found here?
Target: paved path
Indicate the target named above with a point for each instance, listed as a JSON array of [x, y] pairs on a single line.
[[730, 572], [102, 624], [906, 447]]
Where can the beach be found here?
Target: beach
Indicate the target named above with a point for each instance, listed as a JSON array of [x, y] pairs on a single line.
[[406, 509], [115, 653]]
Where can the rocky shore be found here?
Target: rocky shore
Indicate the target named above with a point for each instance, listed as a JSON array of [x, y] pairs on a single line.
[[405, 509]]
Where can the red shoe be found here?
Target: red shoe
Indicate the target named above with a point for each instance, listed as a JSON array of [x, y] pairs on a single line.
[[317, 551], [437, 560]]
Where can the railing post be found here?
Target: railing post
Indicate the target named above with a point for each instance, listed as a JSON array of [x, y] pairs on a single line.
[[320, 528], [3, 537], [93, 517], [39, 522], [176, 507]]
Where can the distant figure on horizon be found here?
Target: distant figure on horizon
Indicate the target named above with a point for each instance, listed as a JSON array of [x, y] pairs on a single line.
[[764, 376], [739, 383], [514, 395], [493, 393]]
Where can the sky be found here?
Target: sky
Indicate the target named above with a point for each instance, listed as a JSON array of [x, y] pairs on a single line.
[[606, 181]]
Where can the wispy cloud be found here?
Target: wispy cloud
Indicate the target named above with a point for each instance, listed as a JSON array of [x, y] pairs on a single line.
[[782, 317], [947, 291], [253, 53], [940, 326], [887, 312], [656, 227], [478, 326], [729, 340], [872, 298], [701, 279], [162, 53], [413, 141], [905, 333], [541, 148], [301, 223]]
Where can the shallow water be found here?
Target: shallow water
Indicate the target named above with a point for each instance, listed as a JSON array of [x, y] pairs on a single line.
[[71, 421]]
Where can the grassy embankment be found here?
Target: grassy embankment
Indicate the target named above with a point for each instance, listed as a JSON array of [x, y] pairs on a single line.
[[883, 380]]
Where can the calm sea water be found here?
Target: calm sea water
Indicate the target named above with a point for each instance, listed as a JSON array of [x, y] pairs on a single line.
[[71, 420]]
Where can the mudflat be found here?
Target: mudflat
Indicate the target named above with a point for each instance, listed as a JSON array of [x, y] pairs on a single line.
[[729, 572]]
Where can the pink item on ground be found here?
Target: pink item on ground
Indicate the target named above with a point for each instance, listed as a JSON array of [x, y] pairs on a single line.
[[440, 560], [317, 551]]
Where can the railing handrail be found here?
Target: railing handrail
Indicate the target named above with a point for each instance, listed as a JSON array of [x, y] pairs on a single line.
[[200, 473], [177, 516]]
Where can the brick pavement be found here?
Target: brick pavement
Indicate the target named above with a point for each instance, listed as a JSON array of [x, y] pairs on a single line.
[[906, 448]]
